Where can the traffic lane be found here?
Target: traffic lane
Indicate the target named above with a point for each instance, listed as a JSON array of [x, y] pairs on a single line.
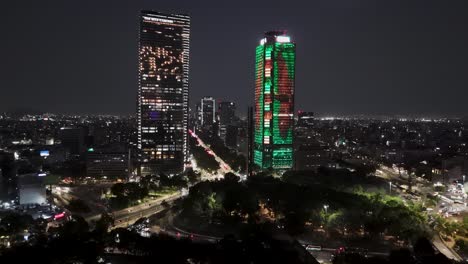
[[131, 218], [145, 205], [136, 210]]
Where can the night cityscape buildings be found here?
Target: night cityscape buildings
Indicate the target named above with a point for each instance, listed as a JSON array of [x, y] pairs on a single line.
[[274, 101], [216, 186], [163, 79]]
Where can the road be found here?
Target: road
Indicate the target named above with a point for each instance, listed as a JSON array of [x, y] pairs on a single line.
[[224, 167], [129, 215], [394, 177], [323, 256], [444, 249], [90, 193], [130, 218]]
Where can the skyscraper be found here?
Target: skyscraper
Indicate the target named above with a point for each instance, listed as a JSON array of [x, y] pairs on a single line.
[[208, 112], [227, 113], [274, 101], [163, 91]]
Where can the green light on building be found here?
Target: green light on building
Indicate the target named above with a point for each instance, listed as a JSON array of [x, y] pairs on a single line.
[[274, 102]]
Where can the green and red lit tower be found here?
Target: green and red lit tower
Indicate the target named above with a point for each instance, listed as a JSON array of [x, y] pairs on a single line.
[[274, 102]]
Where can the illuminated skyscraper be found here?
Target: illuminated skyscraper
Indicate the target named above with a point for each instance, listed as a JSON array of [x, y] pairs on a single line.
[[163, 91], [274, 101]]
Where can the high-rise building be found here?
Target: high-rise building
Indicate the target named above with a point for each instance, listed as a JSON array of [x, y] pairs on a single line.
[[112, 161], [250, 140], [73, 139], [163, 91], [232, 132], [227, 114], [274, 101], [208, 111], [32, 189]]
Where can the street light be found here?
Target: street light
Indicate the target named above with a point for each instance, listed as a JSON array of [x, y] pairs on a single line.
[[325, 206], [390, 186]]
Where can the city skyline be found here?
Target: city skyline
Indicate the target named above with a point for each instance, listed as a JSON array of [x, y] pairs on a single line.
[[367, 58], [124, 136]]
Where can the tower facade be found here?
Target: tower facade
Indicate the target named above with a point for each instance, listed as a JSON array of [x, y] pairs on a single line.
[[163, 78], [274, 102], [227, 112], [208, 111]]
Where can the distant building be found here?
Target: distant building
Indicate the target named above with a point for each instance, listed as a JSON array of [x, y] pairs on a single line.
[[274, 101], [311, 156], [305, 119], [231, 136], [162, 114], [8, 171], [250, 140], [100, 135], [32, 189], [107, 162], [208, 112], [309, 153], [227, 115], [227, 112], [73, 139]]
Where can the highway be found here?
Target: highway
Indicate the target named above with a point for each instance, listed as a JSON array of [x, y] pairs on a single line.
[[324, 255], [129, 215], [394, 177], [224, 167]]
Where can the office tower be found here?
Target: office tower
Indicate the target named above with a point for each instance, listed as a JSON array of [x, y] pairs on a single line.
[[32, 189], [232, 131], [227, 114], [8, 172], [208, 112], [73, 139], [163, 92], [111, 161], [274, 101], [250, 140]]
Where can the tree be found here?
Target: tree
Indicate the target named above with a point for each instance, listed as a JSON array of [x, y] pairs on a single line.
[[231, 178], [104, 223], [78, 206], [77, 227], [192, 176], [118, 189], [12, 223], [294, 222]]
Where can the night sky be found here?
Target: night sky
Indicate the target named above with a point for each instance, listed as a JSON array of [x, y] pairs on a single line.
[[353, 57]]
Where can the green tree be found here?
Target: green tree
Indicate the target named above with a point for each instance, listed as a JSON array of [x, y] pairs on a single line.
[[78, 206]]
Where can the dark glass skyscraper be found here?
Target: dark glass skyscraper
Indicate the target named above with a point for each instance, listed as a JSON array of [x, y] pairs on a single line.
[[208, 112], [227, 113], [163, 91], [274, 101]]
